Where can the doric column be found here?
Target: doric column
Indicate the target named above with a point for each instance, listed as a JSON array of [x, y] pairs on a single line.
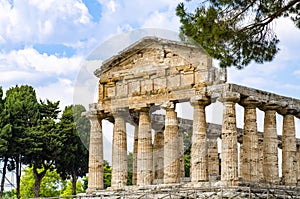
[[289, 148], [171, 150], [144, 155], [298, 161], [135, 149], [119, 150], [260, 159], [249, 161], [95, 154], [158, 154], [229, 151], [181, 153], [199, 155], [270, 146], [213, 155]]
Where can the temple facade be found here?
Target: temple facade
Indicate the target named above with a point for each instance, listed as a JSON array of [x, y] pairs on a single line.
[[154, 74]]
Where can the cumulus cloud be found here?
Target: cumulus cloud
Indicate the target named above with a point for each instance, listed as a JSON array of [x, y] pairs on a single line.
[[60, 90], [28, 59], [39, 21]]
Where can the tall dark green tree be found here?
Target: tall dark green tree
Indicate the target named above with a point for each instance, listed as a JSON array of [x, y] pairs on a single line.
[[73, 161], [21, 111], [4, 137], [237, 32], [44, 143]]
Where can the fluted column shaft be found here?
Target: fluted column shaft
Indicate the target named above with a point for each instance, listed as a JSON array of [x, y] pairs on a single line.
[[229, 153], [158, 154], [181, 154], [213, 157], [135, 149], [171, 150], [298, 161], [95, 154], [249, 167], [119, 152], [199, 155], [144, 155], [289, 150], [270, 148], [260, 159]]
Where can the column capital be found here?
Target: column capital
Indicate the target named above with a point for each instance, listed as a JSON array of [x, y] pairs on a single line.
[[94, 115], [289, 110], [169, 105], [142, 109], [272, 105], [298, 115], [200, 100], [250, 101], [230, 97]]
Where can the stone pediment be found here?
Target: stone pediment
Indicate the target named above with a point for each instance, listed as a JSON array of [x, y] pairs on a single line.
[[150, 54], [152, 64]]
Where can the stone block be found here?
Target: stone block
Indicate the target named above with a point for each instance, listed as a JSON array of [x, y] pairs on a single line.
[[122, 89], [134, 87], [173, 81]]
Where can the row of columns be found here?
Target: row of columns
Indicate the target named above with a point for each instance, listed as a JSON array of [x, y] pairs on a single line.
[[250, 164], [166, 159]]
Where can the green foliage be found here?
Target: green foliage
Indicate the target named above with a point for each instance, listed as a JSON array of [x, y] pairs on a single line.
[[85, 182], [107, 174], [73, 160], [21, 112], [9, 194], [187, 164], [130, 168], [67, 191], [50, 185], [236, 32], [74, 157]]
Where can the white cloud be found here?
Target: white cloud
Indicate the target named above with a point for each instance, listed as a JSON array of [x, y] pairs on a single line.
[[51, 76], [28, 59], [39, 21], [112, 6], [61, 90], [165, 20]]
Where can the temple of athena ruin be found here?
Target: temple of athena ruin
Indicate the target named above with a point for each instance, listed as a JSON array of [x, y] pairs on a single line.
[[154, 75]]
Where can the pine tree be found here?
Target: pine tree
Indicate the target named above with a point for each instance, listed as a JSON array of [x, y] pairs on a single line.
[[237, 32], [73, 161]]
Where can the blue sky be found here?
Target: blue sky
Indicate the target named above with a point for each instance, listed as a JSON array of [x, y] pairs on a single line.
[[43, 43]]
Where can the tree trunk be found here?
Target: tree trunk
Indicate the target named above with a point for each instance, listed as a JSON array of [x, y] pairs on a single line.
[[18, 175], [37, 180], [74, 181], [3, 176]]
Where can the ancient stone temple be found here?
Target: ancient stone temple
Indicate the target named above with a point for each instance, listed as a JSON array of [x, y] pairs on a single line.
[[156, 74]]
